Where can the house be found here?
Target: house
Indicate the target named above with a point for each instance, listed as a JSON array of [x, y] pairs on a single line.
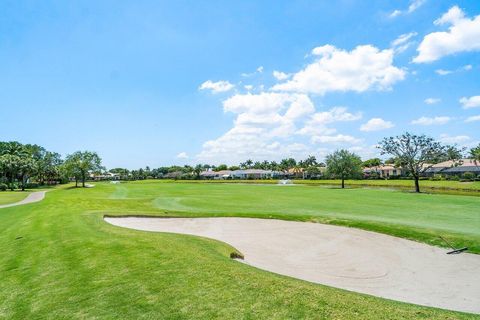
[[104, 176], [383, 171], [254, 174], [455, 167], [217, 175]]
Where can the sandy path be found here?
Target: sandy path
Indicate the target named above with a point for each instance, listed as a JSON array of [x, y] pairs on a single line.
[[32, 197], [341, 257]]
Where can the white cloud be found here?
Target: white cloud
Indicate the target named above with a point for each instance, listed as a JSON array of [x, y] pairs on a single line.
[[376, 124], [182, 155], [337, 139], [262, 129], [317, 123], [432, 100], [473, 118], [260, 69], [414, 5], [463, 35], [279, 75], [402, 43], [395, 13], [216, 87], [426, 121], [365, 67], [443, 72], [472, 102], [445, 138]]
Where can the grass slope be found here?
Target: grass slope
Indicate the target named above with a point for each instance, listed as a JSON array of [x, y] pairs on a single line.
[[60, 260], [7, 197]]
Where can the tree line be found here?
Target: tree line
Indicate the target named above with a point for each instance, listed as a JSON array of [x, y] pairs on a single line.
[[31, 165], [22, 165]]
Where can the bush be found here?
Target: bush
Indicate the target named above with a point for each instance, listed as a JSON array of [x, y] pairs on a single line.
[[3, 187], [31, 185], [469, 176]]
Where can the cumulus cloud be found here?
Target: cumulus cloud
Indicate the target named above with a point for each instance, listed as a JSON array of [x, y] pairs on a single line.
[[473, 119], [317, 123], [216, 87], [445, 138], [365, 67], [262, 128], [463, 35], [279, 75], [376, 124], [426, 121], [471, 102], [432, 100], [413, 6], [182, 155]]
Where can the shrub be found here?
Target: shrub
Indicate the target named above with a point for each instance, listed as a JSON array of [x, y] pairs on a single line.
[[468, 176], [32, 185], [3, 187]]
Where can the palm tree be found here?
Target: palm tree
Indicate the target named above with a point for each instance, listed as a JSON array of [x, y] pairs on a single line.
[[475, 154]]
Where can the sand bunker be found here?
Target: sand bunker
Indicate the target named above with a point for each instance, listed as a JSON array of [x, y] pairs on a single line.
[[32, 197], [346, 258]]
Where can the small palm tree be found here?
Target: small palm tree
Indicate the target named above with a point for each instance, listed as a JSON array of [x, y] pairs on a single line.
[[475, 155]]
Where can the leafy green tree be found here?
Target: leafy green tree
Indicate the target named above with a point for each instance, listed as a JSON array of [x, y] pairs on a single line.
[[417, 153], [25, 168], [221, 167], [343, 164], [9, 165], [81, 163], [374, 162], [197, 170]]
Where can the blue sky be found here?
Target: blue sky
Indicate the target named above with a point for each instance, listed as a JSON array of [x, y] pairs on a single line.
[[159, 83]]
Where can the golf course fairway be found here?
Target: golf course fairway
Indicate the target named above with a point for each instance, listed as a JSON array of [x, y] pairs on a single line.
[[60, 259]]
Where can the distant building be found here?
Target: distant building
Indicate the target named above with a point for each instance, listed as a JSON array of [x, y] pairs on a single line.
[[217, 175], [254, 174], [383, 171], [454, 167], [239, 174]]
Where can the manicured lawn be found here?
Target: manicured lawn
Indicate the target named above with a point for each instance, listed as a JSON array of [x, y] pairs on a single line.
[[7, 197], [425, 185], [61, 260]]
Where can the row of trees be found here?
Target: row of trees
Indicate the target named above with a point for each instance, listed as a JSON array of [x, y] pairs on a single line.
[[415, 153], [23, 164]]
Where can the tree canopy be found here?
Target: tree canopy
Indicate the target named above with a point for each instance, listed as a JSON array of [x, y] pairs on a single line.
[[417, 153], [343, 164]]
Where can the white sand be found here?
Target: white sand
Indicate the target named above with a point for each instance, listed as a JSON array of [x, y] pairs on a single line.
[[346, 258], [32, 197]]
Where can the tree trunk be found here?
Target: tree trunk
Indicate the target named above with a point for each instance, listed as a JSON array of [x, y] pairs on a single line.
[[417, 186], [23, 183], [343, 183], [76, 182]]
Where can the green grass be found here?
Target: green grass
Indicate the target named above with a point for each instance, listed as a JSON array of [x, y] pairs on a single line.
[[60, 260], [472, 188], [7, 197]]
